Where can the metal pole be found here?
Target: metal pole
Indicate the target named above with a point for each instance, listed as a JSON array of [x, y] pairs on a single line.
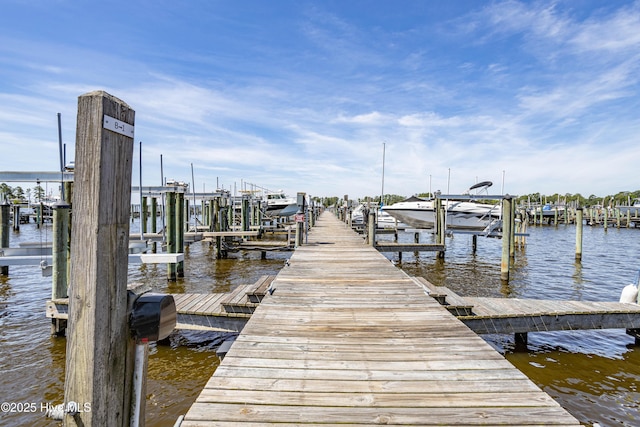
[[139, 384]]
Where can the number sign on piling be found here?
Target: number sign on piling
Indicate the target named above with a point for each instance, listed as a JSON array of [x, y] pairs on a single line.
[[118, 126], [99, 347]]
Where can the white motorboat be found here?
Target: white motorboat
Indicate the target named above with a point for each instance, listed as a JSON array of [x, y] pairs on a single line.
[[547, 211], [383, 218], [634, 209], [278, 204], [419, 213]]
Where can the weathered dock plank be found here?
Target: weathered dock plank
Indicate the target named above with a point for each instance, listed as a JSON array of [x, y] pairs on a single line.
[[194, 311], [518, 316], [347, 338]]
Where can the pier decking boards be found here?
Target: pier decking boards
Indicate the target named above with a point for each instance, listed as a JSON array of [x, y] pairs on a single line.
[[518, 316], [347, 338], [222, 311]]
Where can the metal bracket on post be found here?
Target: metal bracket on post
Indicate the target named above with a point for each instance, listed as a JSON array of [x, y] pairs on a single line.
[[152, 318]]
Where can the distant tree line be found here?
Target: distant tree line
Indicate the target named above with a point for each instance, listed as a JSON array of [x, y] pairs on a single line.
[[17, 194], [37, 194], [620, 199]]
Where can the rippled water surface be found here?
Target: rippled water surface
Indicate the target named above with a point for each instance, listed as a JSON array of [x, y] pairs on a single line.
[[594, 374]]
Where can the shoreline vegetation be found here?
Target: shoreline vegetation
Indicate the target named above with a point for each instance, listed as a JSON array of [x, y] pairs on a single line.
[[37, 194]]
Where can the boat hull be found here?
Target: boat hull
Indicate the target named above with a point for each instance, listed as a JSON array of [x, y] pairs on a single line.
[[282, 210], [460, 215]]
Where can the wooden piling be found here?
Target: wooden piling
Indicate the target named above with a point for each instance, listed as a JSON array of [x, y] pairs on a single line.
[[507, 222], [171, 233], [68, 192], [180, 225], [512, 233], [61, 260], [217, 226], [154, 222], [5, 213], [16, 217], [144, 213], [245, 214], [579, 234], [371, 229], [99, 346], [441, 215], [61, 250]]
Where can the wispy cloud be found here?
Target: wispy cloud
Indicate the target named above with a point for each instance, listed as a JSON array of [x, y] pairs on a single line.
[[305, 104]]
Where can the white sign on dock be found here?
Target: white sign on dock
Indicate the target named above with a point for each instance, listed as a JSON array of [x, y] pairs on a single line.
[[118, 126]]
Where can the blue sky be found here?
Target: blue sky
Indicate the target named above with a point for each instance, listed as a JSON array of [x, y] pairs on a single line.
[[302, 95]]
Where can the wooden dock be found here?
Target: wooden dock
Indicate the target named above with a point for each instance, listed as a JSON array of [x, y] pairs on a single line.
[[224, 311], [346, 338], [520, 316]]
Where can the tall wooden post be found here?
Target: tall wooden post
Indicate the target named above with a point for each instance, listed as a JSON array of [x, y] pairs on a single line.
[[154, 222], [213, 213], [5, 212], [180, 224], [507, 222], [171, 234], [371, 230], [440, 217], [144, 213], [579, 234], [16, 217], [244, 214], [61, 250], [512, 234], [68, 192], [217, 226], [99, 364], [61, 259]]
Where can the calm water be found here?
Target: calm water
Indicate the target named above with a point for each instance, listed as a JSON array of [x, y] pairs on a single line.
[[593, 374]]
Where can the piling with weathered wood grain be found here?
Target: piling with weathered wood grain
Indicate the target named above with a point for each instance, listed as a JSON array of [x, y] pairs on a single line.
[[171, 233], [5, 213], [579, 234], [16, 217], [507, 222], [144, 213], [217, 226], [61, 250], [371, 229], [179, 230], [61, 260], [99, 347], [154, 222]]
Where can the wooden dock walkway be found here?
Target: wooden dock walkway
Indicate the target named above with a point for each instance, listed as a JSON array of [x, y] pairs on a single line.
[[222, 311], [520, 316], [347, 338]]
